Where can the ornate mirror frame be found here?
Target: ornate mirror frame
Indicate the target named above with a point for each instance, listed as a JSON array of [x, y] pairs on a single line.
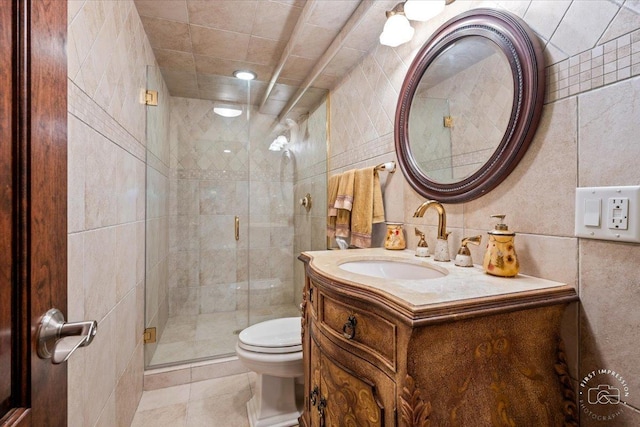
[[522, 49]]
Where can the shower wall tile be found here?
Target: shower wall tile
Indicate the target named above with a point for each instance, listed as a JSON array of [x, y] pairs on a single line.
[[208, 189], [108, 53], [217, 266]]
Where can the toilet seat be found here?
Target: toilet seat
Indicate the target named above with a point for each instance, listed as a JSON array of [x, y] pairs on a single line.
[[275, 336]]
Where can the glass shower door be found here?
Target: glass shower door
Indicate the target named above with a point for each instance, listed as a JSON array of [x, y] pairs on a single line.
[[200, 288]]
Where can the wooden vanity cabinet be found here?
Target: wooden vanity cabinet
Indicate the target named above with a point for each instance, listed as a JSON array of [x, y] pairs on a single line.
[[370, 361]]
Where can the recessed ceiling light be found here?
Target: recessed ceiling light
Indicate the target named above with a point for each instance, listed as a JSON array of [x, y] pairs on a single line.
[[226, 151], [244, 74]]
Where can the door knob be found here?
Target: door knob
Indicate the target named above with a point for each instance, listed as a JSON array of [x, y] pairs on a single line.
[[58, 339]]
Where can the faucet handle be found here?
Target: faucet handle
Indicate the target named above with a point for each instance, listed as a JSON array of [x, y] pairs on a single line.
[[463, 258], [474, 240]]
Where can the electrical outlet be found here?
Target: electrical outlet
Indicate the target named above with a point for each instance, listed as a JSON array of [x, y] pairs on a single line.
[[608, 213], [618, 211]]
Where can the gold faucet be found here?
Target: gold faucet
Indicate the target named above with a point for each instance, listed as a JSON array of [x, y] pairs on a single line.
[[442, 216], [442, 246]]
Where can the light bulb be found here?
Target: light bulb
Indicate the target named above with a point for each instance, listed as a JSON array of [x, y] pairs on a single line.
[[397, 30]]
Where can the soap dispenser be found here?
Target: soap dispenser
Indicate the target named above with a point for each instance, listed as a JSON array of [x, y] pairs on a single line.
[[500, 258]]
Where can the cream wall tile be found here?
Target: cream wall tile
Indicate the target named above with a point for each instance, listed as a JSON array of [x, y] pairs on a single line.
[[100, 366], [609, 319], [76, 173], [75, 277], [607, 149], [125, 331], [99, 272], [127, 186], [108, 416], [581, 28], [129, 389], [75, 386], [100, 181], [544, 16], [542, 186], [548, 257]]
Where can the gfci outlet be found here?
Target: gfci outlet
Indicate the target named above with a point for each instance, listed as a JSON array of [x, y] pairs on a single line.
[[608, 213]]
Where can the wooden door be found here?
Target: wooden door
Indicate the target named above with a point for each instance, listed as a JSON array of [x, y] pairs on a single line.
[[33, 231]]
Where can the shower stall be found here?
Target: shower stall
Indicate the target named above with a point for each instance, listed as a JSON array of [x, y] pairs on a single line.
[[224, 227]]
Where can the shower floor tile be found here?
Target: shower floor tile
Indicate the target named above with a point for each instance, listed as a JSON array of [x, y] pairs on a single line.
[[210, 335]]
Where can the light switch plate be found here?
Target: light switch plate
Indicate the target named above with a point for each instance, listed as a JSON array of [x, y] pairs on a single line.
[[608, 213]]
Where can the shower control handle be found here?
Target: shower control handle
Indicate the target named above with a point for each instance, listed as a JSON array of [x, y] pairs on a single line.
[[349, 328]]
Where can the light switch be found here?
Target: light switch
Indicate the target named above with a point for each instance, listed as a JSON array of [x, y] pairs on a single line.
[[608, 213], [592, 212]]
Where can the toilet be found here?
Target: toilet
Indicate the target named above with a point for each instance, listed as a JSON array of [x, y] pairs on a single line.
[[273, 350]]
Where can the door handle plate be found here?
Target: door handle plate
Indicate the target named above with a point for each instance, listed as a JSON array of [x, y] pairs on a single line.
[[57, 339]]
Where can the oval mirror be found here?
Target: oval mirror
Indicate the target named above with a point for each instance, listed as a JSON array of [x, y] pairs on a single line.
[[469, 105]]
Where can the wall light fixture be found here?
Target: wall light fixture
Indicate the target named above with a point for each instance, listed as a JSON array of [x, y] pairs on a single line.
[[398, 30]]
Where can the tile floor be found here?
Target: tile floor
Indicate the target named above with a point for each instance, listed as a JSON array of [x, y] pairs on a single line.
[[217, 402], [210, 335]]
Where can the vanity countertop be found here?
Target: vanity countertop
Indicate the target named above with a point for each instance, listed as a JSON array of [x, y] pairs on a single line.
[[461, 290]]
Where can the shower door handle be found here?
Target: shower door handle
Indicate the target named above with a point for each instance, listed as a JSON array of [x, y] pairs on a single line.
[[237, 222]]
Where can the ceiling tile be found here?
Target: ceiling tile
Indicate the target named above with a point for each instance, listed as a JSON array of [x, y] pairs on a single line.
[[313, 42], [174, 10], [297, 67], [218, 43], [273, 107], [178, 81], [165, 34], [264, 51], [222, 88], [229, 15], [368, 31], [332, 14], [225, 67], [275, 20], [282, 92], [175, 60]]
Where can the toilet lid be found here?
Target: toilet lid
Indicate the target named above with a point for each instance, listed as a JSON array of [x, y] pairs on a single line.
[[273, 336]]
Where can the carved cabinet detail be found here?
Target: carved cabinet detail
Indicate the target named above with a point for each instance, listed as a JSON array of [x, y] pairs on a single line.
[[370, 360]]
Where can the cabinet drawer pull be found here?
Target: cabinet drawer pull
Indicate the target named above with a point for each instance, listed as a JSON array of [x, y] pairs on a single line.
[[321, 406], [313, 396], [349, 328]]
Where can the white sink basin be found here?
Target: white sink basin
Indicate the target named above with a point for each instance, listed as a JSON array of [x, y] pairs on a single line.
[[393, 270]]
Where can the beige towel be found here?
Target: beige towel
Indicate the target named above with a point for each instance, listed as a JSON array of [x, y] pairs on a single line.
[[332, 212], [344, 203], [344, 199], [367, 206]]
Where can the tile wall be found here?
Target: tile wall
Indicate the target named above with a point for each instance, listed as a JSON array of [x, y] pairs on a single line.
[[107, 58], [309, 156], [587, 136], [217, 174]]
